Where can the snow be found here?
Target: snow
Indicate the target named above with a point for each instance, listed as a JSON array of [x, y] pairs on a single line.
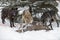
[[21, 9], [58, 7], [7, 33]]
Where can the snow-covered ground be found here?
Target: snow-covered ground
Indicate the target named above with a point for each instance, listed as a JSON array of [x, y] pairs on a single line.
[[7, 33]]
